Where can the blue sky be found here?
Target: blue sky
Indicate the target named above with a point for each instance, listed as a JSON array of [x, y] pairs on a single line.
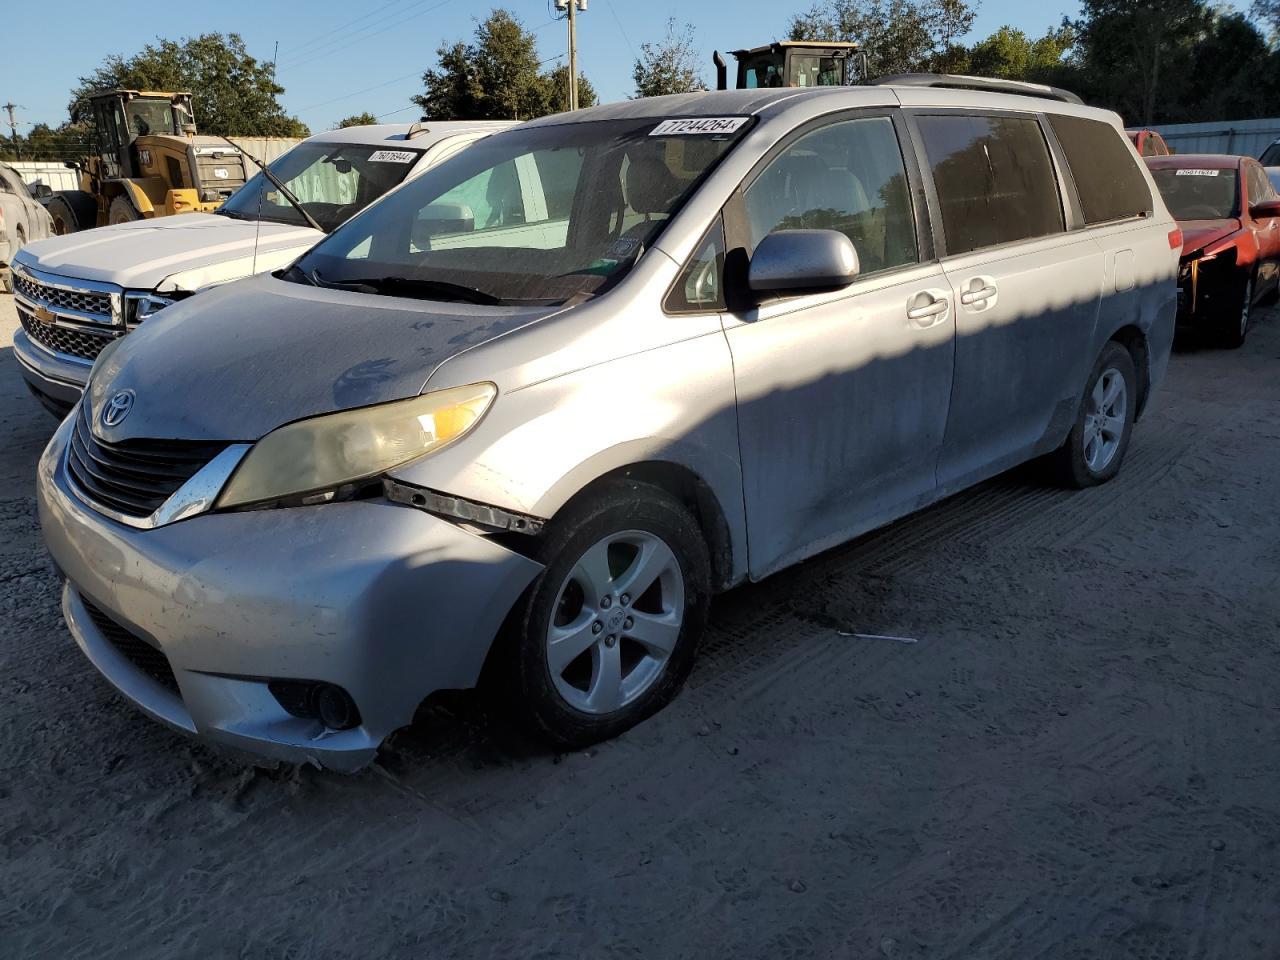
[[339, 57]]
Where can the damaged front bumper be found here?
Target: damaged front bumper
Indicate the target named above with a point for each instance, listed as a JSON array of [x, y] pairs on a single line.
[[385, 602]]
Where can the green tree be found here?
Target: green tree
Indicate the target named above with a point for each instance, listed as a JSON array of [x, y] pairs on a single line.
[[669, 66], [1012, 55], [234, 94], [1268, 13], [495, 77], [899, 36], [356, 120]]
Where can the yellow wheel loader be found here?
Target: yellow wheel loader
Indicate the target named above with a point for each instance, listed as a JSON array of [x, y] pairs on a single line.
[[147, 162], [795, 63]]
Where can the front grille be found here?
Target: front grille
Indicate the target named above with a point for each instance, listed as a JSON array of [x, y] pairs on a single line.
[[73, 341], [133, 477], [150, 660], [85, 301]]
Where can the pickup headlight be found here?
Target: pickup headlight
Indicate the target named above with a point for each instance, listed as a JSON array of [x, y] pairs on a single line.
[[143, 306], [324, 453]]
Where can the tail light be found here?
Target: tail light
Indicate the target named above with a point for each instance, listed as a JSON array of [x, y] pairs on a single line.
[[1175, 238]]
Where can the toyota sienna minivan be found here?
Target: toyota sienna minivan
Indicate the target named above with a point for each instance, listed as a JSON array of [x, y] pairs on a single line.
[[514, 424]]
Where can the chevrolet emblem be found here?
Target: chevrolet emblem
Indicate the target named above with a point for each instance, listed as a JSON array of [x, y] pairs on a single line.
[[45, 315]]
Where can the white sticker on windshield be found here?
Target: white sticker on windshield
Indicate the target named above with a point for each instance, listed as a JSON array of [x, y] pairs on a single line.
[[696, 126], [1189, 172], [391, 156]]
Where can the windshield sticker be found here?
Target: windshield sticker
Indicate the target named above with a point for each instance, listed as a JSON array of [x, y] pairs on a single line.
[[1189, 172], [622, 248], [697, 126], [391, 156]]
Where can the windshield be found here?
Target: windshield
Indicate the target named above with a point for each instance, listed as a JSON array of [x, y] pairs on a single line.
[[150, 116], [1194, 194], [333, 180], [1271, 156], [533, 215]]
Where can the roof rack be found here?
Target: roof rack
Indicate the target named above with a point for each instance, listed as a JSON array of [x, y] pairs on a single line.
[[955, 81]]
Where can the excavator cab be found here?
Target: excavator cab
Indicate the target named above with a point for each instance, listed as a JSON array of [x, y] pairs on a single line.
[[120, 117], [795, 63]]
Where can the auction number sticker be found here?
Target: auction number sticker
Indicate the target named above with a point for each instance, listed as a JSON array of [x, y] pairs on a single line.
[[392, 156], [697, 126], [1190, 172]]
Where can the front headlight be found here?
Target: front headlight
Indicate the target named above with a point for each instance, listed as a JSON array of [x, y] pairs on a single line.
[[143, 306], [324, 453]]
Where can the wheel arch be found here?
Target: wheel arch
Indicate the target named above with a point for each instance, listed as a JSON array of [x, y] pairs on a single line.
[[697, 495], [1135, 342]]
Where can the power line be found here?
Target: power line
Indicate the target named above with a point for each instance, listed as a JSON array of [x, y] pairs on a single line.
[[341, 43], [328, 33], [348, 96]]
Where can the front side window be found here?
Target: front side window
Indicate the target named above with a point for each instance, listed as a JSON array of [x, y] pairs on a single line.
[[333, 181], [1271, 156], [1107, 178], [1194, 193], [994, 179], [150, 117], [530, 215], [1260, 187], [847, 176]]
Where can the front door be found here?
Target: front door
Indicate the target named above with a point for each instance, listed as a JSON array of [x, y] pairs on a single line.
[[842, 397]]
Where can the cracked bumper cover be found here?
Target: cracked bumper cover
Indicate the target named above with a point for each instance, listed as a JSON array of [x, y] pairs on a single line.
[[386, 601]]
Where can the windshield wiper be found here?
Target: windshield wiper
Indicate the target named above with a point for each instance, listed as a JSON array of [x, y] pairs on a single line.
[[275, 182], [408, 287]]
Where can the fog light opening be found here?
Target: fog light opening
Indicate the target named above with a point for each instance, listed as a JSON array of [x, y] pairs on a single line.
[[334, 707]]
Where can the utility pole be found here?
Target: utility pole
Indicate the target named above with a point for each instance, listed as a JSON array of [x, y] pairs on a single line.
[[573, 7], [13, 129]]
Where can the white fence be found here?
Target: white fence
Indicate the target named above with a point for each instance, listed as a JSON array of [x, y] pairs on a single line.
[[1243, 137]]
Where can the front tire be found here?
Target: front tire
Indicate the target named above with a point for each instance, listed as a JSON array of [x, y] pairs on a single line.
[[606, 635], [1099, 439], [122, 211], [1235, 324]]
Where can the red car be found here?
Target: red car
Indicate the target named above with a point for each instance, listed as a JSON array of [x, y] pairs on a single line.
[[1148, 143], [1230, 218]]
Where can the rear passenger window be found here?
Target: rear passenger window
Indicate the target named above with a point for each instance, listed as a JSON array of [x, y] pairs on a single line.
[[994, 179], [1110, 185], [848, 176]]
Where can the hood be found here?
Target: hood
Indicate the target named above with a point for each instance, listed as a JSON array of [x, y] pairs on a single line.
[[142, 254], [1198, 234], [240, 360]]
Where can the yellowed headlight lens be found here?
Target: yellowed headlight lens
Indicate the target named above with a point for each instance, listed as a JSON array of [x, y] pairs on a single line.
[[338, 448]]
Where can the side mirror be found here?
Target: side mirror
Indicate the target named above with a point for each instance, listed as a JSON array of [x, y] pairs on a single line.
[[802, 261], [41, 191], [1265, 210]]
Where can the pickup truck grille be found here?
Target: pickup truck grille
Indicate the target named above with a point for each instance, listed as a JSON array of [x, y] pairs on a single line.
[[75, 341], [134, 477], [83, 301]]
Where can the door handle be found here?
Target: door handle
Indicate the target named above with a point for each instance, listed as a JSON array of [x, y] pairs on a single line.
[[934, 308], [981, 295]]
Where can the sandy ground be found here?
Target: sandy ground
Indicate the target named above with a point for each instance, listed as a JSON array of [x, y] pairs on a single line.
[[1076, 759]]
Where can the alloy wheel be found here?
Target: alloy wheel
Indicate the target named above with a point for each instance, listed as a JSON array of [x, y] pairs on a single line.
[[615, 622], [1246, 309], [1104, 420]]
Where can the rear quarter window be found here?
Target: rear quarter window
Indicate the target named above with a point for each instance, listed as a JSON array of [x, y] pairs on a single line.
[[1107, 178]]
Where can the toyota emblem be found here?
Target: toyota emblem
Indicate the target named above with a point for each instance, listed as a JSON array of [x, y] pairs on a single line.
[[117, 408]]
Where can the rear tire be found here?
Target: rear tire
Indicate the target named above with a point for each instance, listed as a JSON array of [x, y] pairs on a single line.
[[64, 218], [579, 668], [1235, 323], [1099, 439], [122, 211]]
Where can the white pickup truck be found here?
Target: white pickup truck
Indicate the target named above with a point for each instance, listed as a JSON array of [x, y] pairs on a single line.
[[77, 293]]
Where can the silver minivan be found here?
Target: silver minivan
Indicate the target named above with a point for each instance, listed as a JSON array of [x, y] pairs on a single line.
[[518, 421]]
